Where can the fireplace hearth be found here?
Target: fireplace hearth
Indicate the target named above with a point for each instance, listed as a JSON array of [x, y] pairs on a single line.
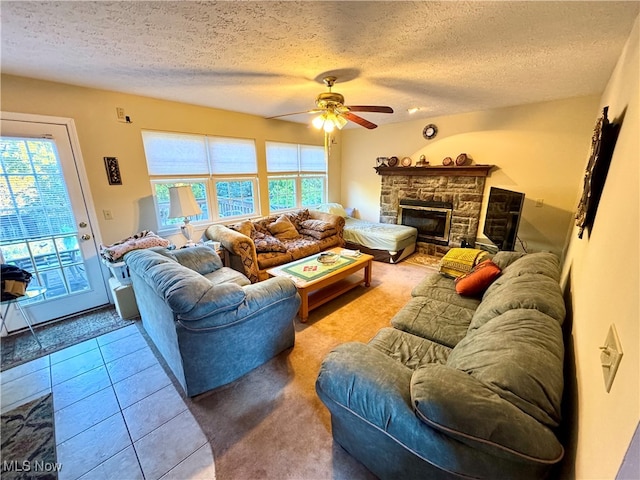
[[432, 219]]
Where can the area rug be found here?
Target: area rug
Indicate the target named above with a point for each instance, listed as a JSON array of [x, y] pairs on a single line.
[[424, 260], [22, 347], [28, 441], [270, 424]]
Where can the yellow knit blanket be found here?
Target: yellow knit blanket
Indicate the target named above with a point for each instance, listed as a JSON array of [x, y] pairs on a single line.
[[458, 261]]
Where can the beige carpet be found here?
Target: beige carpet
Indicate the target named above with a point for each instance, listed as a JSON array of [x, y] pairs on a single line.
[[270, 424]]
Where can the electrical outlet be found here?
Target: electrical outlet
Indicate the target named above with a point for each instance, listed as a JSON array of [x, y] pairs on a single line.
[[120, 114], [107, 214]]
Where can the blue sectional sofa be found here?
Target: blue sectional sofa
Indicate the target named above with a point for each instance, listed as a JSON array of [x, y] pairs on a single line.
[[458, 387], [210, 324]]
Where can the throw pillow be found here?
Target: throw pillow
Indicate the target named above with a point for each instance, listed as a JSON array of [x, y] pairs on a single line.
[[267, 243], [333, 208], [478, 279], [317, 225], [245, 228], [298, 217], [283, 229]]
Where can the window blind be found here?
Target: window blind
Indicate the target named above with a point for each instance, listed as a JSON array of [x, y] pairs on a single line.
[[175, 153]]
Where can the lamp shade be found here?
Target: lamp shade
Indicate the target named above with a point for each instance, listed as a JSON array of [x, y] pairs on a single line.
[[182, 203]]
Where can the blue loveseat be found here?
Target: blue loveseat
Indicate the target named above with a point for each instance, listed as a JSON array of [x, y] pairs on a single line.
[[459, 387], [210, 324]]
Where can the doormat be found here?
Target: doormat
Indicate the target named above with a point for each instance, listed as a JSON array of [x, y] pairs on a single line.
[[28, 441], [22, 347]]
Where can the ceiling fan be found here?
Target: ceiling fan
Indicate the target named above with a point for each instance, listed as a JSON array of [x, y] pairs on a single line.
[[334, 113]]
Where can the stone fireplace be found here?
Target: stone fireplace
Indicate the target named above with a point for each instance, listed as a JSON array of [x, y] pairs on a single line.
[[458, 189]]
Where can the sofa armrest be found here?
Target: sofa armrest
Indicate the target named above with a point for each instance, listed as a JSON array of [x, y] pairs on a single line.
[[461, 407], [336, 221], [237, 245]]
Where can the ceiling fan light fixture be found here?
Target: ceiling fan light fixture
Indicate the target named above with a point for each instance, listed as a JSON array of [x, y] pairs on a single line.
[[318, 122], [413, 110]]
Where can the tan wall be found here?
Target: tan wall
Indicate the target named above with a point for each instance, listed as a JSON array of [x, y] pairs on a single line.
[[101, 135], [602, 273], [537, 149]]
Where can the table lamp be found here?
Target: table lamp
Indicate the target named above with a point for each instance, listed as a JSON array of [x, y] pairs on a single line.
[[182, 203]]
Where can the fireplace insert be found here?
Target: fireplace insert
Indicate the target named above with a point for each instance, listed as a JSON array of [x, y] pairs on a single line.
[[432, 219]]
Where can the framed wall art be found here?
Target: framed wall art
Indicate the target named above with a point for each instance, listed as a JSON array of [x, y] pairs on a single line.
[[113, 170], [601, 151]]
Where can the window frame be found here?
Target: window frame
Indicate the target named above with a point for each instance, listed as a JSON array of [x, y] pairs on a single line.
[[299, 174], [209, 179]]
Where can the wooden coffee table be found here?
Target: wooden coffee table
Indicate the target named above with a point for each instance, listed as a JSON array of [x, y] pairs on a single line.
[[317, 284]]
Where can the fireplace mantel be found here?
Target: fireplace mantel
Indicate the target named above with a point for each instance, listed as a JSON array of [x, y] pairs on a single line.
[[453, 171]]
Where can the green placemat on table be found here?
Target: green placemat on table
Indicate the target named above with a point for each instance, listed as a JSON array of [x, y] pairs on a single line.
[[309, 268]]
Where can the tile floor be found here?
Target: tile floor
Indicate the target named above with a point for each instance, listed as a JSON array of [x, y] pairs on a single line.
[[117, 413]]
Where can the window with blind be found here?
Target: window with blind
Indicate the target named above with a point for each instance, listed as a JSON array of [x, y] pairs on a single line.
[[222, 173], [297, 175]]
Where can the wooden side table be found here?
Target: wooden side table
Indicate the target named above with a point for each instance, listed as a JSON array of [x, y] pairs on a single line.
[[16, 302]]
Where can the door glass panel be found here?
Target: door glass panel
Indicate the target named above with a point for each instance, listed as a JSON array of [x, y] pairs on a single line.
[[39, 231]]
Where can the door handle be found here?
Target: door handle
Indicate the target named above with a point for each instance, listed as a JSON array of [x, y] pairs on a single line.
[[86, 237]]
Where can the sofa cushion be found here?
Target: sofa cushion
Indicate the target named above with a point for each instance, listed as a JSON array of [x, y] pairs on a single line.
[[200, 259], [410, 350], [519, 356], [267, 243], [302, 247], [530, 291], [478, 279], [439, 287], [273, 259], [462, 407], [436, 320], [516, 265], [283, 229]]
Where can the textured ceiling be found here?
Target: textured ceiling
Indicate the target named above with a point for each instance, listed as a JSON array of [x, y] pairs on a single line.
[[268, 58]]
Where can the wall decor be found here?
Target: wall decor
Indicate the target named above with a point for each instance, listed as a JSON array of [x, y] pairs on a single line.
[[393, 161], [423, 162], [429, 131], [462, 159], [381, 161], [447, 161], [406, 162], [113, 170], [603, 142]]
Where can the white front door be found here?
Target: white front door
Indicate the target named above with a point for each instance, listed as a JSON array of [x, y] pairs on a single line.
[[44, 222]]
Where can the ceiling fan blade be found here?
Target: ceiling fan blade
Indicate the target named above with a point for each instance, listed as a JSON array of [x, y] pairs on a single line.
[[295, 113], [359, 120], [370, 108]]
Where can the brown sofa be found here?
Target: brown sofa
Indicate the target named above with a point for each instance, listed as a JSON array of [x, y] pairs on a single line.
[[257, 245]]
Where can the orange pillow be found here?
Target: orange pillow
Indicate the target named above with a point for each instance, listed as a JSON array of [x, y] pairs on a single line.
[[478, 279]]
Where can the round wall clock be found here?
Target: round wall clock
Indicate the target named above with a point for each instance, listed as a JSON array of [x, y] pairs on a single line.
[[429, 131]]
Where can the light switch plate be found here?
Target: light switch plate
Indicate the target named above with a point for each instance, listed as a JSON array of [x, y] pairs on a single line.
[[610, 356]]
